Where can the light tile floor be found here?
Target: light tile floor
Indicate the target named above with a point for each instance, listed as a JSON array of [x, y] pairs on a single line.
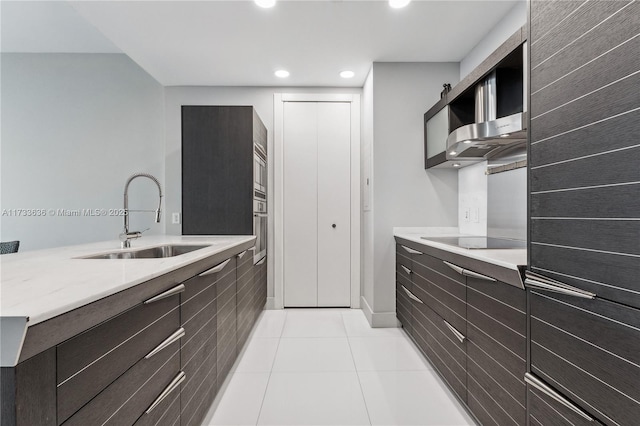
[[328, 367]]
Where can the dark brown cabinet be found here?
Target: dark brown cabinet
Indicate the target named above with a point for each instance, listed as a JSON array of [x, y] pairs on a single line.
[[162, 361], [472, 328], [584, 234]]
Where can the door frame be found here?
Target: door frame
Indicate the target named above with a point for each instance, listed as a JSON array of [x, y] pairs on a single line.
[[278, 179]]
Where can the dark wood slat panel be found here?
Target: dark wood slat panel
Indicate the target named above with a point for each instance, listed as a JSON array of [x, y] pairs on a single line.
[[620, 374], [605, 136], [447, 344], [202, 386], [402, 257], [581, 316], [485, 408], [507, 337], [8, 396], [508, 405], [217, 142], [200, 371], [452, 375], [605, 235], [612, 168], [446, 306], [35, 390], [613, 202], [615, 99], [124, 401], [200, 405], [505, 356], [611, 67], [422, 262], [498, 371], [78, 390], [548, 412], [582, 21], [594, 268], [200, 304], [514, 319], [198, 331], [403, 280], [166, 413], [403, 309], [509, 295], [545, 15]]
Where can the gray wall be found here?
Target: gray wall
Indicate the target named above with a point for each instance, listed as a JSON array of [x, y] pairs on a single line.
[[511, 22], [262, 99], [74, 127], [404, 194]]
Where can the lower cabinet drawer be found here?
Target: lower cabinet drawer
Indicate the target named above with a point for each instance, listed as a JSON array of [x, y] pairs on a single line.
[[546, 411], [440, 344], [89, 362], [403, 308], [126, 399], [166, 413]]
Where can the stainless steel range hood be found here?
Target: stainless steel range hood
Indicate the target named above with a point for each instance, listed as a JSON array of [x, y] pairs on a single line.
[[489, 137]]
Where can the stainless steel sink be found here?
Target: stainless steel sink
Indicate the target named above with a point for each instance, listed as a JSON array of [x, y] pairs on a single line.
[[169, 250]]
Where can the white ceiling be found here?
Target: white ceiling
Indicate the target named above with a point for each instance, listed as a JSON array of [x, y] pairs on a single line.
[[236, 43]]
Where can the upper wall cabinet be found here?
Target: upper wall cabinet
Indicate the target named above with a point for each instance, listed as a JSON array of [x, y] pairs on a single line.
[[484, 115]]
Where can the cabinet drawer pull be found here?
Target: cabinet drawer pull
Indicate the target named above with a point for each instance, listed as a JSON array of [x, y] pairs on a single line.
[[261, 261], [454, 267], [411, 295], [407, 270], [468, 273], [166, 342], [544, 388], [455, 332], [241, 255], [215, 269], [175, 383], [410, 250], [539, 282], [175, 290]]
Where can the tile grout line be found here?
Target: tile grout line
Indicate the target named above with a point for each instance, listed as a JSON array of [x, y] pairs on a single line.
[[364, 399], [266, 388]]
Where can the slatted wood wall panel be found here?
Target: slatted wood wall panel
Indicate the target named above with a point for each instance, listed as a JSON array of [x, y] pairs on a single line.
[[585, 149]]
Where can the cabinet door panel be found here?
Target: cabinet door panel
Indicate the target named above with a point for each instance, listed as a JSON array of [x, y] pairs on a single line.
[[166, 413], [444, 304], [226, 327], [403, 309], [545, 411]]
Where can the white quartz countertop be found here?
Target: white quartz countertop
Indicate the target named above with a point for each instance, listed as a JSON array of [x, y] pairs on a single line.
[[507, 258], [41, 284]]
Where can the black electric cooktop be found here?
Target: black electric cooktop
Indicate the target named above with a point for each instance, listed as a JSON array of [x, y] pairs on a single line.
[[479, 242]]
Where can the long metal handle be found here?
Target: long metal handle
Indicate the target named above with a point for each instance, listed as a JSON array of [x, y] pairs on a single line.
[[411, 295], [539, 282], [410, 250], [261, 261], [215, 269], [468, 273], [407, 270], [454, 267], [166, 342], [175, 290], [544, 388], [170, 388], [455, 332], [241, 255]]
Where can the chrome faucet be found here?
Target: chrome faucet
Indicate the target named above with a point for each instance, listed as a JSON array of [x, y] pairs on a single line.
[[126, 236]]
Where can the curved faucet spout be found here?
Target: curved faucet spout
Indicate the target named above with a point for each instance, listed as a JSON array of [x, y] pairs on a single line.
[[127, 236]]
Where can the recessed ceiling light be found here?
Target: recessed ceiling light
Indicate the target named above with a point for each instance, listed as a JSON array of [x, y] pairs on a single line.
[[452, 153], [282, 73], [347, 74], [398, 4], [456, 164], [265, 3], [466, 142]]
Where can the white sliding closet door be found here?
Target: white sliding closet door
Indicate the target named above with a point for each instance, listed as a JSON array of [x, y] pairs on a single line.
[[317, 211]]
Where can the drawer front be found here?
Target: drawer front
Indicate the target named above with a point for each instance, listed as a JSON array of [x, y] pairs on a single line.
[[441, 347], [433, 292], [126, 399], [588, 350], [89, 362], [226, 328], [546, 411], [167, 413], [403, 309], [246, 289], [403, 258]]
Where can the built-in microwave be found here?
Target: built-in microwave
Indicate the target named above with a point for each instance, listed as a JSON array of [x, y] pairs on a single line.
[[260, 202], [259, 169]]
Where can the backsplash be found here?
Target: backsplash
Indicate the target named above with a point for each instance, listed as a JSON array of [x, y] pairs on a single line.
[[472, 199]]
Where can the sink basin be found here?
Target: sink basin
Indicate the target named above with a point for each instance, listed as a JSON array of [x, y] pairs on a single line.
[[169, 250]]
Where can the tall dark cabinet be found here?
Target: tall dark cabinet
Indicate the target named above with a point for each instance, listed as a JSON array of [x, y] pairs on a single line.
[[218, 169], [584, 197]]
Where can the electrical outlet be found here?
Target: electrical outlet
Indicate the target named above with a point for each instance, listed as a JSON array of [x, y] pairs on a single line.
[[476, 215], [175, 218], [467, 214]]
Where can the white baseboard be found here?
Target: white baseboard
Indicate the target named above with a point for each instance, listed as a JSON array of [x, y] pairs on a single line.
[[378, 319], [271, 303]]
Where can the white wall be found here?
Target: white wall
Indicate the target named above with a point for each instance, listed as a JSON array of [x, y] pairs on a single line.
[[366, 159], [512, 21], [404, 193], [472, 199], [262, 99], [74, 127]]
